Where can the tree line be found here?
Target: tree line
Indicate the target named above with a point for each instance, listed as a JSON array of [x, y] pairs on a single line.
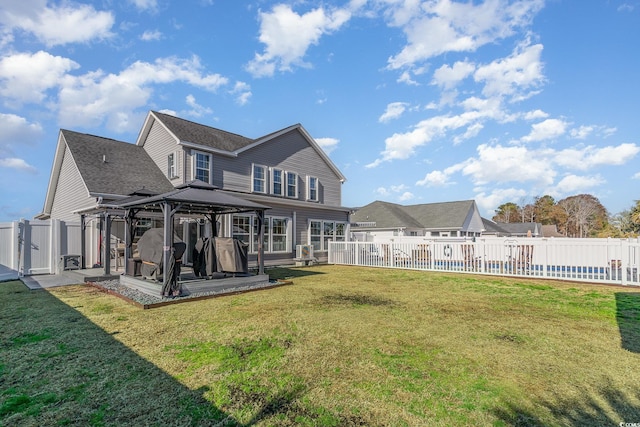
[[576, 216]]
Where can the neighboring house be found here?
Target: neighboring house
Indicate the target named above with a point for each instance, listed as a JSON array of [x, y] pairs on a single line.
[[551, 230], [285, 170], [447, 219], [513, 229], [492, 228], [521, 229]]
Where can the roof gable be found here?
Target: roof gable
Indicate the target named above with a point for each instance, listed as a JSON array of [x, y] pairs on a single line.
[[186, 131], [112, 167], [205, 137]]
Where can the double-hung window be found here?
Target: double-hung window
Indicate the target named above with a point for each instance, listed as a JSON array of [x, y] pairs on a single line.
[[202, 166], [312, 188], [323, 232], [259, 179], [292, 185], [276, 232], [171, 166], [277, 184]]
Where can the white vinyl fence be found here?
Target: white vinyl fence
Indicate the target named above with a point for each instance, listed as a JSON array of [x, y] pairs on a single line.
[[36, 247], [613, 261]]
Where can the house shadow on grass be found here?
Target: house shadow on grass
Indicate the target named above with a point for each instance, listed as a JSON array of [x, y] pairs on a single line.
[[628, 318], [59, 368], [284, 273], [608, 407]]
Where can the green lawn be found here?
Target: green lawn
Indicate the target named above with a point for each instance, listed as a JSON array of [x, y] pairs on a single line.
[[339, 346]]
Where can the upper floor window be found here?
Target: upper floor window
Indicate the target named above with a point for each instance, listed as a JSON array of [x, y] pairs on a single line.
[[259, 179], [292, 185], [202, 167], [277, 186], [172, 171], [312, 188]]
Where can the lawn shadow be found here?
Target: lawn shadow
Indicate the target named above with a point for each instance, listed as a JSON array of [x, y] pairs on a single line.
[[609, 407], [628, 318], [285, 273], [59, 368]]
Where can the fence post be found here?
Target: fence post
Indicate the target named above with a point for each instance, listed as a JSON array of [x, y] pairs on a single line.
[[545, 257], [15, 246], [624, 260]]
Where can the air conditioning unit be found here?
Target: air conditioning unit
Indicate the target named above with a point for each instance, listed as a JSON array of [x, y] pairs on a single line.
[[304, 252]]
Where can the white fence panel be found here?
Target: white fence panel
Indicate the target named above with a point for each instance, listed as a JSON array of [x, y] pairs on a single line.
[[36, 247], [615, 261]]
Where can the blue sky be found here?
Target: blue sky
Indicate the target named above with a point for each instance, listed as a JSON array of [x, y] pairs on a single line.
[[415, 101]]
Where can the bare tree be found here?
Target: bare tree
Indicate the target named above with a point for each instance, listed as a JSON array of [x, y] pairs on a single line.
[[584, 213]]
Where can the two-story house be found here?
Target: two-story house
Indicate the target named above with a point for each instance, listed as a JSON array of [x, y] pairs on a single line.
[[285, 170]]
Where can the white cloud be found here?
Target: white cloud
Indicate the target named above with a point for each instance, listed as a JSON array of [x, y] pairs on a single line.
[[499, 164], [487, 203], [57, 24], [26, 77], [406, 196], [636, 175], [197, 110], [327, 144], [584, 158], [582, 132], [435, 179], [16, 131], [93, 98], [147, 5], [287, 36], [151, 35], [535, 115], [18, 164], [242, 91], [403, 145], [545, 130], [394, 110], [515, 76], [436, 27], [448, 77], [381, 191], [577, 184]]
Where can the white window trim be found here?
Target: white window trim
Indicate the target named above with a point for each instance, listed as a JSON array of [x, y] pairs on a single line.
[[268, 233], [309, 198], [286, 189], [172, 171], [194, 156], [266, 183], [322, 236], [283, 182]]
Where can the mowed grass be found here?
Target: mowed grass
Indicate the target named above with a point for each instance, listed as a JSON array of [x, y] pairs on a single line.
[[340, 346]]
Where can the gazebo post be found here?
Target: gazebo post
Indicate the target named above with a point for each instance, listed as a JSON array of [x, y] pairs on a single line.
[[128, 238], [260, 216], [83, 242], [107, 244], [167, 242]]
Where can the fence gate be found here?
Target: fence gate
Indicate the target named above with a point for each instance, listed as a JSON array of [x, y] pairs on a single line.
[[36, 247]]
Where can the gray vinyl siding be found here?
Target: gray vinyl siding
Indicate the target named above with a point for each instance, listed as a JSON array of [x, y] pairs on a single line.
[[290, 152], [71, 193], [159, 144], [300, 230]]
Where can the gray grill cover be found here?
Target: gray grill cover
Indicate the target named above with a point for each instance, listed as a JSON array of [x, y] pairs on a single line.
[[150, 249], [219, 254]]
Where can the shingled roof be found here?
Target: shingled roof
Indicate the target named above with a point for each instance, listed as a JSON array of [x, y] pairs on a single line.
[[114, 167], [445, 215], [196, 133]]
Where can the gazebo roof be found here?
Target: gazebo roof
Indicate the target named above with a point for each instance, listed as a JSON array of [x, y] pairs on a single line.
[[195, 197]]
